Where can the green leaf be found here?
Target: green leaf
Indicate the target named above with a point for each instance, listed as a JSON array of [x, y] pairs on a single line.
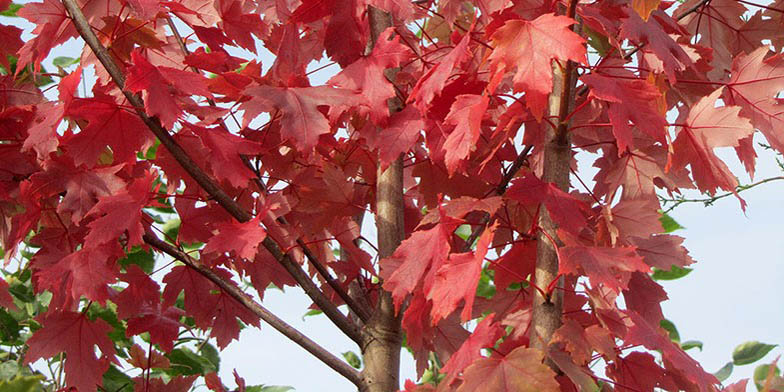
[[352, 359], [268, 388], [485, 288], [22, 292], [312, 312], [171, 229], [761, 374], [186, 363], [675, 272], [22, 384], [210, 353], [750, 352], [13, 8], [9, 327], [463, 231], [725, 372], [668, 223], [597, 41], [690, 344], [670, 327], [144, 259], [64, 62], [115, 380], [9, 370]]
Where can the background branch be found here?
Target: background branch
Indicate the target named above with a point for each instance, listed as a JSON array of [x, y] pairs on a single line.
[[204, 180], [281, 326]]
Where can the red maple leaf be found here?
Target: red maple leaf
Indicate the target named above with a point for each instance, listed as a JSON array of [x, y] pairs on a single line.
[[484, 335], [655, 338], [161, 322], [75, 335], [565, 210], [629, 100], [611, 267], [417, 259], [241, 239], [120, 213], [521, 370], [531, 46], [109, 124], [298, 107], [457, 279], [367, 74], [708, 127], [466, 116], [432, 82], [162, 86]]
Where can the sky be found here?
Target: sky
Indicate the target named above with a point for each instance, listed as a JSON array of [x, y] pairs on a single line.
[[732, 296]]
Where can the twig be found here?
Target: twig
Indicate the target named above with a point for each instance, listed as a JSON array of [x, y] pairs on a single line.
[[281, 326], [710, 200], [499, 191], [322, 270], [201, 177]]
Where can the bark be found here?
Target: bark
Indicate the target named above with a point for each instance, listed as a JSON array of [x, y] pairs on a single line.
[[382, 334], [548, 306]]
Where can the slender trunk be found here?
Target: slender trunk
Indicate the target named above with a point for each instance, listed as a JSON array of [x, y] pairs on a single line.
[[382, 333], [547, 308]]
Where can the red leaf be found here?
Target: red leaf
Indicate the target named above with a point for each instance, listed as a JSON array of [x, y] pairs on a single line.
[[655, 338], [76, 336], [521, 370], [656, 34], [239, 22], [629, 100], [754, 86], [611, 267], [6, 300], [199, 300], [301, 120], [226, 327], [120, 213], [531, 46], [82, 186], [398, 136], [564, 209], [485, 335], [706, 128], [662, 251], [162, 86], [457, 279], [432, 82], [366, 74], [109, 124], [162, 323], [466, 115], [417, 259], [638, 372], [241, 239], [53, 27]]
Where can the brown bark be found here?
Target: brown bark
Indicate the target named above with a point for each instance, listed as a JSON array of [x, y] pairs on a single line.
[[382, 333], [548, 306]]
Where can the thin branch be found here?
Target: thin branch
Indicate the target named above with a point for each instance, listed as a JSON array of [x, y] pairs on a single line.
[[281, 326], [499, 191], [204, 180], [322, 270], [710, 200], [362, 311]]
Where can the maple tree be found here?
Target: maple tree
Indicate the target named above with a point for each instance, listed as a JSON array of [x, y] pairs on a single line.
[[451, 125]]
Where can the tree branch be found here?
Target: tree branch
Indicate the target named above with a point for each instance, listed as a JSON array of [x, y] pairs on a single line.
[[363, 313], [281, 326], [204, 180], [710, 200], [499, 190]]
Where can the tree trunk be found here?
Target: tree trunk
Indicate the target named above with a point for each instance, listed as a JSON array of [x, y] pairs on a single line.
[[382, 334], [547, 308]]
